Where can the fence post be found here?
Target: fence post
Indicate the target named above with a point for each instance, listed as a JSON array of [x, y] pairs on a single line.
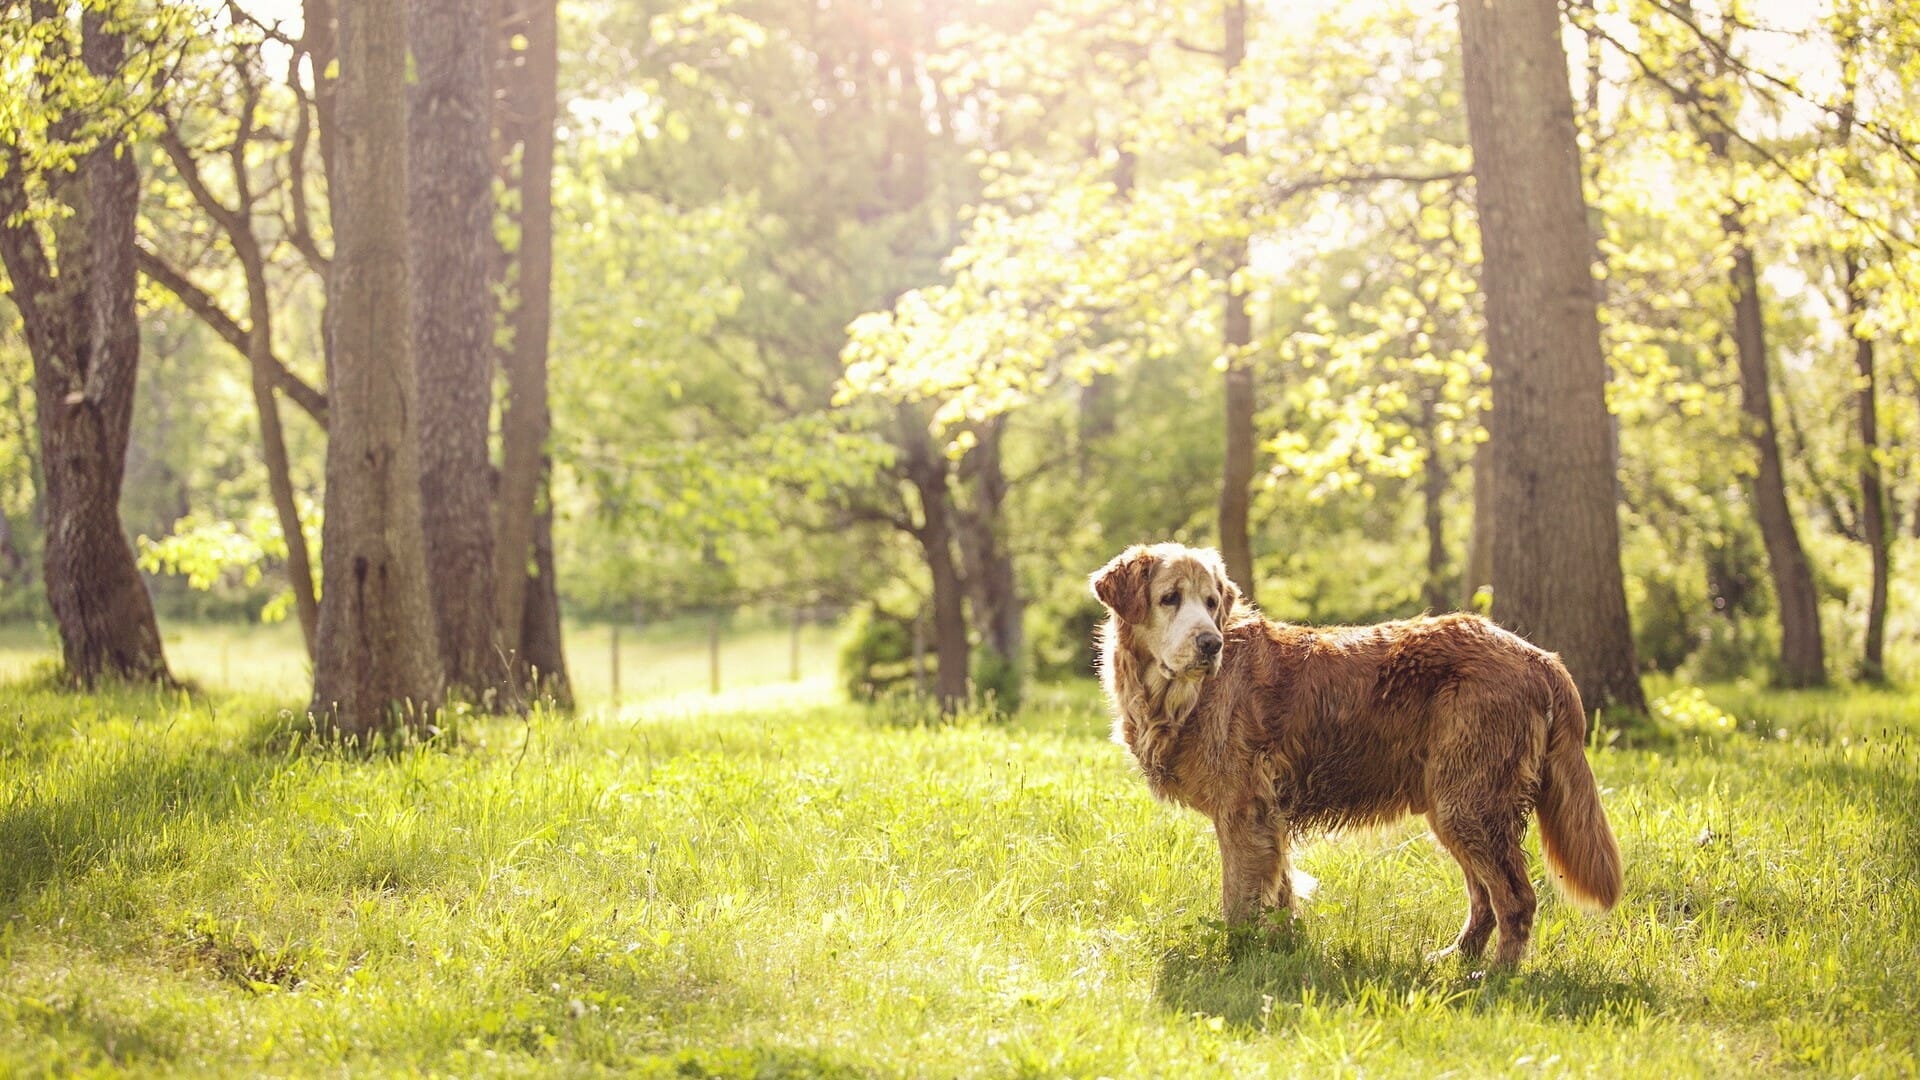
[[793, 650], [613, 664]]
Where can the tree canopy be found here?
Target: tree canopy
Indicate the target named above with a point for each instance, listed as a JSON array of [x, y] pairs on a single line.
[[924, 309]]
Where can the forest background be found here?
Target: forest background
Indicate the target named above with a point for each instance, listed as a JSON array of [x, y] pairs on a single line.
[[377, 380], [919, 314], [916, 314]]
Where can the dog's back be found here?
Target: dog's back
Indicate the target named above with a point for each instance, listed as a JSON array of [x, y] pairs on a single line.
[[1349, 719]]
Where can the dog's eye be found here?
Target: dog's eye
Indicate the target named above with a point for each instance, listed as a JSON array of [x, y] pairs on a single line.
[[1172, 599], [1212, 602]]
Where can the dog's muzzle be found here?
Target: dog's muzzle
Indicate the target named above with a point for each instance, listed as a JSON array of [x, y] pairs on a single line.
[[1207, 649]]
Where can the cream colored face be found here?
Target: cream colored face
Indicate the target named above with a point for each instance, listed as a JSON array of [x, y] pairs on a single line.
[[1187, 605]]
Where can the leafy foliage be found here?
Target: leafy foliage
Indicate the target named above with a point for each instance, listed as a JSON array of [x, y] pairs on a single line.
[[778, 225]]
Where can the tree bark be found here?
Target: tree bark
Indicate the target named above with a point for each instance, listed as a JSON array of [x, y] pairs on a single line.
[[527, 422], [925, 469], [376, 663], [450, 223], [1097, 412], [1433, 494], [1802, 653], [1236, 481], [1556, 567], [541, 646], [320, 41], [83, 335], [1479, 573], [993, 589], [273, 452], [1875, 525]]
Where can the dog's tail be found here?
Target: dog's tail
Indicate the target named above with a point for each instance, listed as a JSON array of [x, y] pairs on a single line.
[[1574, 833]]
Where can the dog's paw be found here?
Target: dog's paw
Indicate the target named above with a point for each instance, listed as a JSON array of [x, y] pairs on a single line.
[[1454, 952]]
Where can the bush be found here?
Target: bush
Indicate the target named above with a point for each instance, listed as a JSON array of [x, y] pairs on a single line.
[[1663, 631], [996, 680], [1060, 625], [877, 654]]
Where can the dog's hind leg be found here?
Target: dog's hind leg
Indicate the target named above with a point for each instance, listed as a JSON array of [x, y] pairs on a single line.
[[1481, 782], [1511, 892], [1473, 937], [1488, 848]]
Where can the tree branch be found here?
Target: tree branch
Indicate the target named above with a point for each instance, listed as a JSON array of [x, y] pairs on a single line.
[[191, 296], [208, 311], [28, 270], [1686, 97], [1281, 193], [1198, 50], [1725, 55], [189, 169], [299, 231]]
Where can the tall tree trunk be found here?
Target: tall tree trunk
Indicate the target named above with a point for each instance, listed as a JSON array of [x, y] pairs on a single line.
[[320, 40], [1556, 569], [1097, 412], [1236, 480], [376, 663], [526, 423], [1802, 654], [1433, 494], [450, 219], [1874, 520], [541, 646], [925, 469], [83, 335], [262, 369], [1876, 524], [993, 590], [1479, 573]]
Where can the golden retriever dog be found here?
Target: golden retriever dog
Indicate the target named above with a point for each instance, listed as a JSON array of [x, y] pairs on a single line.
[[1274, 731]]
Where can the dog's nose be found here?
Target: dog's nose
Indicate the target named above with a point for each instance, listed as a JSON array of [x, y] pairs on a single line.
[[1209, 644]]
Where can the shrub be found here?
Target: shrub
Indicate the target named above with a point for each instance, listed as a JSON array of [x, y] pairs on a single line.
[[877, 653], [997, 681]]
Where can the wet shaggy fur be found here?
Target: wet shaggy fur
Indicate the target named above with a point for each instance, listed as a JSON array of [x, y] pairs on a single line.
[[1274, 731]]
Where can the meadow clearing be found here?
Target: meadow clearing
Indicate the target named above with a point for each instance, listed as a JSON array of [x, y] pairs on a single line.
[[773, 882]]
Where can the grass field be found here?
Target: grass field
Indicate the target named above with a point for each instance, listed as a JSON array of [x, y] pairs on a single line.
[[771, 883]]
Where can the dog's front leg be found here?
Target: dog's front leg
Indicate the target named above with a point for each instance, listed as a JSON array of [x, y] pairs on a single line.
[[1253, 864]]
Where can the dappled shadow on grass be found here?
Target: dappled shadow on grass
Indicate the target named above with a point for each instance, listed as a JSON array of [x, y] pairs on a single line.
[[122, 802], [65, 1034], [1251, 978]]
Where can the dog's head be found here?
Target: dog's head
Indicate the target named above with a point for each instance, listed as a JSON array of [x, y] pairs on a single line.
[[1175, 601]]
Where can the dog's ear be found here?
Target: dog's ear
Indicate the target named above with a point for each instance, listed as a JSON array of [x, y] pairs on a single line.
[[1229, 596], [1122, 584], [1229, 592]]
